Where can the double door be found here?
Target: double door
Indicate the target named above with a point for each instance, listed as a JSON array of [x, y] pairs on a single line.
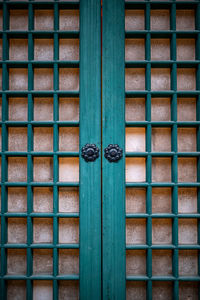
[[100, 150]]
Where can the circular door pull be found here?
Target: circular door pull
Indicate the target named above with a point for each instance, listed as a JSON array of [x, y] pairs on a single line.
[[90, 152], [113, 153]]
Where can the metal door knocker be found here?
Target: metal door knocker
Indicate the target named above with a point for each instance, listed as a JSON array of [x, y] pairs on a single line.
[[113, 153], [90, 152]]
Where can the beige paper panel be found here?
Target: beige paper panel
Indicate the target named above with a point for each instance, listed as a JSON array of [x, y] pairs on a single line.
[[160, 19], [18, 49], [68, 199], [42, 289], [69, 20], [69, 169], [43, 199], [160, 49], [17, 109], [43, 79], [68, 289], [135, 262], [188, 262], [186, 109], [43, 139], [134, 20], [16, 261], [68, 79], [135, 169], [70, 225], [187, 169], [135, 200], [19, 19], [68, 109], [16, 289], [135, 139], [17, 139], [18, 79], [134, 49], [69, 49], [68, 261], [135, 79], [68, 139], [44, 19], [187, 231], [42, 230], [17, 199], [160, 79], [136, 231], [186, 79], [43, 261], [187, 200], [162, 290], [187, 139], [43, 168], [161, 231], [43, 49], [161, 169], [135, 290], [185, 49], [135, 109], [17, 169], [17, 231], [185, 19], [162, 262], [161, 139], [188, 290], [161, 200], [160, 109], [43, 109]]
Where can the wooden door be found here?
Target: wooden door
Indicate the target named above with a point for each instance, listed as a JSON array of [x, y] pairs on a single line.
[[51, 197], [100, 149], [150, 73]]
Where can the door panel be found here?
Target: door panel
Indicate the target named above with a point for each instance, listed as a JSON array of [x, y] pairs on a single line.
[[45, 251], [113, 126], [162, 149], [40, 151], [90, 133]]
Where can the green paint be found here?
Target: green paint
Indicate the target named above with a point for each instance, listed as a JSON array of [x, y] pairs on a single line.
[[113, 132], [90, 132]]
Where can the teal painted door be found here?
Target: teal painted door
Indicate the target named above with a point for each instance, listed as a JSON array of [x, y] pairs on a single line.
[[51, 107], [150, 108], [124, 78]]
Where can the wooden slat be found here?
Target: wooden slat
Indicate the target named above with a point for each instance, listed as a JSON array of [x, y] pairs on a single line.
[[90, 132], [113, 176]]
